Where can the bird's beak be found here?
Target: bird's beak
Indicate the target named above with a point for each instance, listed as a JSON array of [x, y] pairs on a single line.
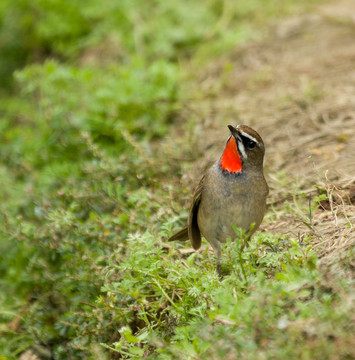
[[234, 132]]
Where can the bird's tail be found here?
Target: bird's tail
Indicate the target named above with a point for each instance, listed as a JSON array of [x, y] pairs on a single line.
[[181, 235]]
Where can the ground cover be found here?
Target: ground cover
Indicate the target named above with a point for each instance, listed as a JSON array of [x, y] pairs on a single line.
[[103, 138]]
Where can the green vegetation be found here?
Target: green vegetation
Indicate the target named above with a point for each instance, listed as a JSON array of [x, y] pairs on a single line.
[[86, 199], [259, 310]]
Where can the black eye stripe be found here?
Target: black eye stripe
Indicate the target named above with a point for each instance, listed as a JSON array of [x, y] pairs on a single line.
[[248, 143]]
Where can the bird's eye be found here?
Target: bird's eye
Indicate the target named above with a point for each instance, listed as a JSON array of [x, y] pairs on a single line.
[[251, 145]]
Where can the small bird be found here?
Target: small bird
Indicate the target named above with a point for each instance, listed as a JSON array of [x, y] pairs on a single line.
[[232, 192]]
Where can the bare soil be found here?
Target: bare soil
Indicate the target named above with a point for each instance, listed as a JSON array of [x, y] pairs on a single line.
[[296, 86]]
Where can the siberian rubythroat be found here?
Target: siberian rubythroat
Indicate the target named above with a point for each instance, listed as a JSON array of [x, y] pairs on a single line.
[[232, 192]]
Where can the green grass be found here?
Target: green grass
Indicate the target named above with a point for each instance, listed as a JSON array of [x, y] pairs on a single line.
[[271, 303], [86, 200]]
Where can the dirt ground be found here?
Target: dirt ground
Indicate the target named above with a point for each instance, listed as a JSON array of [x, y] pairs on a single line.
[[297, 88]]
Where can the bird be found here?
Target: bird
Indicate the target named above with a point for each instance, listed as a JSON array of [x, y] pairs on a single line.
[[232, 193]]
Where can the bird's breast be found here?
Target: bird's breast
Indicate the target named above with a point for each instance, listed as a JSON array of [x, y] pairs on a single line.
[[226, 201]]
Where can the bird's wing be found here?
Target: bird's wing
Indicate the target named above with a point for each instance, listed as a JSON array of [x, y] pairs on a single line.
[[192, 225]]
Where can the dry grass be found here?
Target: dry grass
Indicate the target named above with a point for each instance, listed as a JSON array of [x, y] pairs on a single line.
[[296, 86]]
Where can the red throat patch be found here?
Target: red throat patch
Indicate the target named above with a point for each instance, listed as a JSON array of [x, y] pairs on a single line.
[[230, 159]]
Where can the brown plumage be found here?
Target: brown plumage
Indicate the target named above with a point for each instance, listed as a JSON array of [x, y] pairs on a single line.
[[232, 192]]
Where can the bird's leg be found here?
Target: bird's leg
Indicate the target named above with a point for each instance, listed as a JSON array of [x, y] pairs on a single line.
[[219, 269], [217, 249]]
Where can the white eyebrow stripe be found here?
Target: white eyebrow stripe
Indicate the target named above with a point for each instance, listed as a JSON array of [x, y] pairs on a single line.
[[248, 136]]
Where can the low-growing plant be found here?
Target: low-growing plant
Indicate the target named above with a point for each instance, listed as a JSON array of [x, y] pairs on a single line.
[[174, 306], [89, 94]]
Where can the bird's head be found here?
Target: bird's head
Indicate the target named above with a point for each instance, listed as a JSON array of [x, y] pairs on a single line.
[[244, 150]]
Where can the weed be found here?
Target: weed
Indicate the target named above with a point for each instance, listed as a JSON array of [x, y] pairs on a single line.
[[86, 200]]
